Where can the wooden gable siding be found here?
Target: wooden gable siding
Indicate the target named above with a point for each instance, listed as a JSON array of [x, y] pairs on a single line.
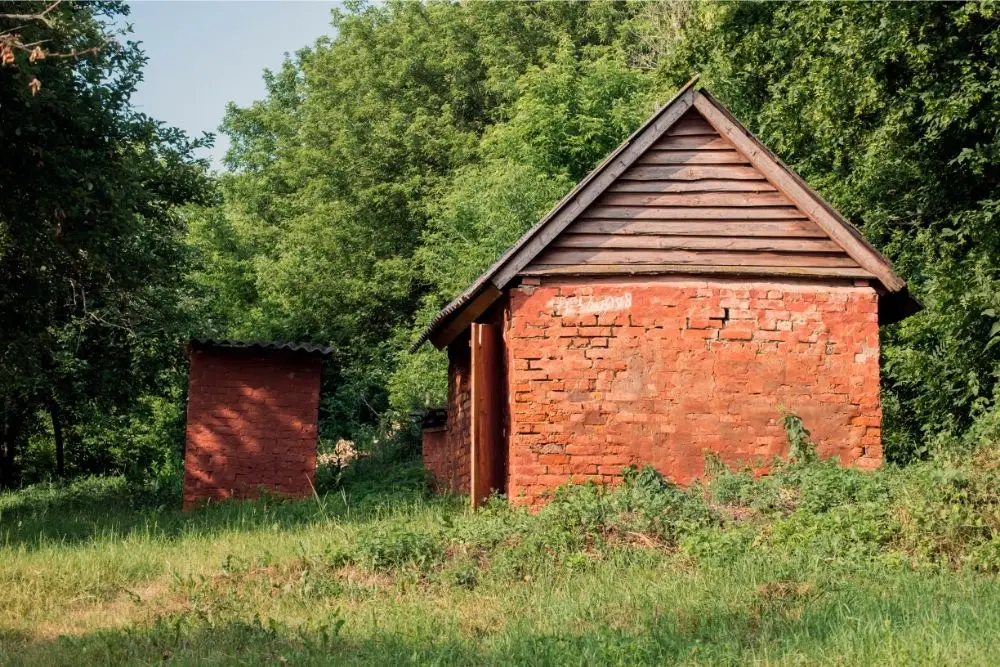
[[693, 203]]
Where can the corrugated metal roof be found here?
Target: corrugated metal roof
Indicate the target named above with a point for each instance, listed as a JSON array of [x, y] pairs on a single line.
[[308, 348]]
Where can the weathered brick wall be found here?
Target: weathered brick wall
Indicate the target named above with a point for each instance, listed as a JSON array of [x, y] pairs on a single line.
[[436, 455], [446, 452], [611, 373], [251, 423]]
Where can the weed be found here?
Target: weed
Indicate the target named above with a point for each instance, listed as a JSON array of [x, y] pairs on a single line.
[[801, 448], [806, 562], [387, 547]]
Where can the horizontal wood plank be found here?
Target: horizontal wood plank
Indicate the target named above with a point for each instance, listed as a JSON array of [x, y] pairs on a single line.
[[686, 173], [694, 269], [591, 187], [691, 124], [692, 142], [709, 185], [760, 244], [692, 157], [692, 213], [698, 199], [853, 242], [703, 257], [792, 228]]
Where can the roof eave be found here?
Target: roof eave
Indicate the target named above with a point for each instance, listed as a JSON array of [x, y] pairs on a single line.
[[491, 283], [487, 277]]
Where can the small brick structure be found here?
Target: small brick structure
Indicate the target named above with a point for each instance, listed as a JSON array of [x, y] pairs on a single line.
[[251, 419], [687, 294]]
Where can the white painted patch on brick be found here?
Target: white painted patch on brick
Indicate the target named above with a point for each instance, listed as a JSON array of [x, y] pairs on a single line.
[[589, 305]]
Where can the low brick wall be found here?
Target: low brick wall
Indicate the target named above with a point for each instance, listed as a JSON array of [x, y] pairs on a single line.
[[446, 451], [611, 373], [251, 423]]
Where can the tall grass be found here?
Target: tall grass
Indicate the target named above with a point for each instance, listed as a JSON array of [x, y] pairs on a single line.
[[813, 564]]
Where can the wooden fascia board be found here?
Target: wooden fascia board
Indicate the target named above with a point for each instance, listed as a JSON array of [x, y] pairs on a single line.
[[596, 184], [465, 317], [763, 272], [801, 195]]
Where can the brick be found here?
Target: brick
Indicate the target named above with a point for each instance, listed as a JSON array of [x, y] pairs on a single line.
[[664, 379], [251, 423]]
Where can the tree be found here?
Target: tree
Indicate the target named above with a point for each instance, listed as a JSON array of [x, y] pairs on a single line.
[[336, 173], [91, 239], [889, 110], [388, 166]]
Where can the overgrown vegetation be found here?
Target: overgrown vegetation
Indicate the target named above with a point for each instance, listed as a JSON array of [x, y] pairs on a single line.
[[388, 165], [813, 564], [391, 162], [92, 250]]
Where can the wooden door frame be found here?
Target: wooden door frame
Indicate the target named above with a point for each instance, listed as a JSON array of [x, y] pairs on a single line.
[[487, 442]]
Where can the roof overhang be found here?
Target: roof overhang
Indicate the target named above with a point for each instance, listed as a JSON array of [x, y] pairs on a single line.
[[270, 345], [895, 302]]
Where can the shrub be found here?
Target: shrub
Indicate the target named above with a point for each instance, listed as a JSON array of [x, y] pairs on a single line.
[[384, 547], [947, 511], [823, 484], [852, 532], [985, 557], [733, 488], [717, 545], [801, 448], [645, 505]]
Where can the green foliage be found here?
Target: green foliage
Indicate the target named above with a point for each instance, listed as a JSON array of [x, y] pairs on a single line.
[[942, 513], [367, 572], [801, 448], [391, 164], [886, 109], [388, 166], [387, 547], [92, 253]]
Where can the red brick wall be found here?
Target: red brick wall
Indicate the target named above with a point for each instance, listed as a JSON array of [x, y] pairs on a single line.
[[617, 372], [251, 423], [446, 452]]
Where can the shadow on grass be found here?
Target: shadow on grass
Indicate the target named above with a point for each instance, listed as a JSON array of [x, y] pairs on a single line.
[[728, 625], [109, 507], [727, 638]]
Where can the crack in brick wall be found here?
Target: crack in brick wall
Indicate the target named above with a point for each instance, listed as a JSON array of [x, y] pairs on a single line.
[[251, 423], [682, 367]]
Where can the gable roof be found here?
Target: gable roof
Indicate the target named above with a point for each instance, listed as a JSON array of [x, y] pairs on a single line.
[[534, 252]]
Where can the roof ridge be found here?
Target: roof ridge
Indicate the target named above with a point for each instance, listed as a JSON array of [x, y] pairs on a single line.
[[288, 346], [490, 284]]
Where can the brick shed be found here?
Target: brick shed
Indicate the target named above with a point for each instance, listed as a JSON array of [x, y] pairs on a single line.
[[679, 299], [251, 418]]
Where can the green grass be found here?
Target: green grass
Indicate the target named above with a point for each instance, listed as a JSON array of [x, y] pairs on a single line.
[[812, 565]]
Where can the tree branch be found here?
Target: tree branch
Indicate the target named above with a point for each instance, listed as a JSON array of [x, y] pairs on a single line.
[[42, 18]]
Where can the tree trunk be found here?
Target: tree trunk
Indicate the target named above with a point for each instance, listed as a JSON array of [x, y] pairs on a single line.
[[14, 419], [57, 433]]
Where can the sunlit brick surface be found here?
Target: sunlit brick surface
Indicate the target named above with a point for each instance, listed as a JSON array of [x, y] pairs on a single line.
[[251, 423], [608, 374]]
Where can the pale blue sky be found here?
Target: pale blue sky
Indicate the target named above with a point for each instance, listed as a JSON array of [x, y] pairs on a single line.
[[203, 54]]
